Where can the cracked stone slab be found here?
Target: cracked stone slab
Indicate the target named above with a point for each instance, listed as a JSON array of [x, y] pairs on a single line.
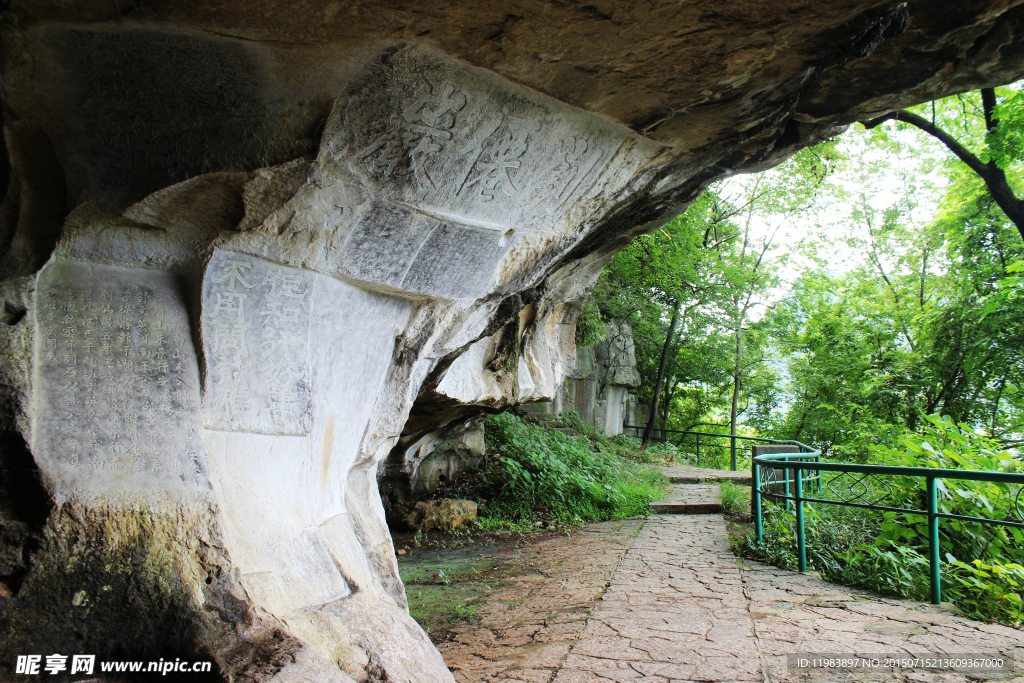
[[682, 608], [527, 627], [681, 474], [679, 607]]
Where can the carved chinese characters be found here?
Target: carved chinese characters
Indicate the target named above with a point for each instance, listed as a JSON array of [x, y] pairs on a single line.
[[457, 168], [453, 140], [256, 338], [417, 134], [117, 392], [497, 159], [459, 156], [572, 163]]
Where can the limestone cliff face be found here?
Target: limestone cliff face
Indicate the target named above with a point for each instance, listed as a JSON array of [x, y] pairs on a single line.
[[599, 386], [247, 248]]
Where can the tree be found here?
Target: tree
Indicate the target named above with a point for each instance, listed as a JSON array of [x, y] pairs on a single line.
[[1001, 145], [690, 292], [925, 316], [772, 200], [664, 278]]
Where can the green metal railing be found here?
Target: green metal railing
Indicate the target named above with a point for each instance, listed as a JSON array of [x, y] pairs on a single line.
[[767, 485], [662, 435]]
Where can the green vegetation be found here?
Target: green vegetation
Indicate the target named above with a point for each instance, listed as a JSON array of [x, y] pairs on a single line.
[[903, 297], [735, 499], [888, 552], [846, 299], [447, 586], [537, 472]]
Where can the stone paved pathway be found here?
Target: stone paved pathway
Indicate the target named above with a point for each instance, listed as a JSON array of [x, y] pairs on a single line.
[[681, 608], [526, 630]]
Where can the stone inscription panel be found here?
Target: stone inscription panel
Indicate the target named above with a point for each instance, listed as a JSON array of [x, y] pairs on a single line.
[[256, 340], [444, 150], [456, 262], [435, 134], [116, 380], [407, 250], [384, 244]]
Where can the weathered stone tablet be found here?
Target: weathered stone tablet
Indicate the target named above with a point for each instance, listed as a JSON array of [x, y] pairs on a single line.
[[116, 381]]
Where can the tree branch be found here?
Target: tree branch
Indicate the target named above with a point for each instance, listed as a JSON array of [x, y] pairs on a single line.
[[994, 177]]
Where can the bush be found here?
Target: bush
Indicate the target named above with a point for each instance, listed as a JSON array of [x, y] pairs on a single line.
[[591, 328], [540, 471]]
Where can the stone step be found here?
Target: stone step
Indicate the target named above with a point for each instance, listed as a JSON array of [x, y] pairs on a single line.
[[697, 475], [689, 499]]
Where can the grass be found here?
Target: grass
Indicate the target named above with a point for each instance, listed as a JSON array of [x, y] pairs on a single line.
[[735, 499]]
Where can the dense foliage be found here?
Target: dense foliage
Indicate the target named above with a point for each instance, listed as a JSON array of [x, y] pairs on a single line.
[[539, 472], [982, 564], [899, 294]]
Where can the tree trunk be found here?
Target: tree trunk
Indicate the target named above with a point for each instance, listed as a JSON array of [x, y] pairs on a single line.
[[661, 377], [669, 385], [736, 378]]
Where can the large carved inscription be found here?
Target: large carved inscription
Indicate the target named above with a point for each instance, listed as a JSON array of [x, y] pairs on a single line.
[[116, 379], [449, 151], [459, 155], [438, 135], [417, 134], [256, 338]]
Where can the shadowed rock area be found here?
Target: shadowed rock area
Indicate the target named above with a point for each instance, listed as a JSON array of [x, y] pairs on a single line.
[[251, 248]]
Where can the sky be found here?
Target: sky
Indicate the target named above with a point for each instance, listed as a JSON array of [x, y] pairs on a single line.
[[910, 167]]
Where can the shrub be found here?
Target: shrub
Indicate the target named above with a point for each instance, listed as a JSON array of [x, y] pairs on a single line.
[[543, 471], [591, 328]]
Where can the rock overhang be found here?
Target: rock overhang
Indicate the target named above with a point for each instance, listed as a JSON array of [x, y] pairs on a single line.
[[254, 248]]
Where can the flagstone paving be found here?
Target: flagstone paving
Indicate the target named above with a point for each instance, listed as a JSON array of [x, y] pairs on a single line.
[[525, 630], [680, 607], [689, 500], [684, 474]]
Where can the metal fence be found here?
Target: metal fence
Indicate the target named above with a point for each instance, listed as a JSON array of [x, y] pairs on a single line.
[[856, 492], [709, 440]]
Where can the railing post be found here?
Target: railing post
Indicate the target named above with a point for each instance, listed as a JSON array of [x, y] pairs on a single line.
[[755, 497], [732, 439], [800, 540], [933, 542], [817, 459], [698, 450]]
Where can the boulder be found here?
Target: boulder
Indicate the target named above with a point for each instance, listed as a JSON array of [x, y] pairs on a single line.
[[445, 514]]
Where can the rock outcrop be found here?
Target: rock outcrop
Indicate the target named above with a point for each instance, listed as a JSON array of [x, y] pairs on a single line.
[[445, 514], [431, 460], [598, 387], [248, 248]]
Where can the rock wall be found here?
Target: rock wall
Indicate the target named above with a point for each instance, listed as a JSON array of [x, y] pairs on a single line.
[[430, 460], [598, 387], [248, 250]]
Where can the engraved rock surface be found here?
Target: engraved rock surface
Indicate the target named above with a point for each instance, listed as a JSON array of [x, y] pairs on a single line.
[[248, 251]]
